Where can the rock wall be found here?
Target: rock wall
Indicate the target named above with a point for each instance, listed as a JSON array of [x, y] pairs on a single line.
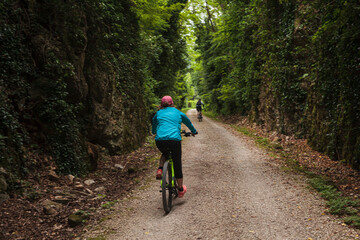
[[82, 85]]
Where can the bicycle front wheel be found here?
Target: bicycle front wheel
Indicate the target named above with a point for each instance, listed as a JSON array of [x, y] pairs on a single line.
[[167, 187]]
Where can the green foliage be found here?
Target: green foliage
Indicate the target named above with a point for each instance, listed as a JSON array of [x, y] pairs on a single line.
[[15, 67], [61, 61], [163, 50], [155, 15], [291, 66], [337, 204], [109, 204], [211, 114], [59, 118], [353, 221]]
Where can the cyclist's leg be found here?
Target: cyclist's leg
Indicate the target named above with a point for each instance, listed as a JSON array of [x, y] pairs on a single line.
[[176, 156], [163, 146]]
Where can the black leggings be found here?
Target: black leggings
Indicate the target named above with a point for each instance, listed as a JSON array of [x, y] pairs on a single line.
[[172, 147]]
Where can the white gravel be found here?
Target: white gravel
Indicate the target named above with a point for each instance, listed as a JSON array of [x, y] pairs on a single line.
[[235, 191]]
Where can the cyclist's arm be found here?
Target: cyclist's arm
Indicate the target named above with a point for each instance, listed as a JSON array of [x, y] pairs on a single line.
[[188, 123], [154, 124]]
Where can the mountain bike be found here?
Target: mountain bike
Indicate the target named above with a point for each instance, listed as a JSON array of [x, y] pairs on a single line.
[[168, 183]]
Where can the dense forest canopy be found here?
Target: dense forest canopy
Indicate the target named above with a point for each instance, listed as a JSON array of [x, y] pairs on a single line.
[[77, 76]]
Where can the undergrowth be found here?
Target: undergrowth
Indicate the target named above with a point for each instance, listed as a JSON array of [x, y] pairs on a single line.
[[211, 115], [337, 203]]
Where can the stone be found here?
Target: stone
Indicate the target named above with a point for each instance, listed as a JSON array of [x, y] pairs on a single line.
[[119, 166], [70, 179], [61, 199], [89, 182], [75, 220], [51, 207], [78, 185], [99, 189]]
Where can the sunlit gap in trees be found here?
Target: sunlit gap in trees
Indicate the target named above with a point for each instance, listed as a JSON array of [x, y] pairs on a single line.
[[196, 15]]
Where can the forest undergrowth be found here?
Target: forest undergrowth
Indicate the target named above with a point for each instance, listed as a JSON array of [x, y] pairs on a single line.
[[26, 216]]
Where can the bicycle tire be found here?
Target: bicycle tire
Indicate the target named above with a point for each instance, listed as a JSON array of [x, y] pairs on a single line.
[[167, 190]]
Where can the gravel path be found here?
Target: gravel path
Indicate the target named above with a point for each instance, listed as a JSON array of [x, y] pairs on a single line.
[[234, 192]]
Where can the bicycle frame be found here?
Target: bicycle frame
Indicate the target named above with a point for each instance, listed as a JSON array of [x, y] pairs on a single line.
[[172, 173]]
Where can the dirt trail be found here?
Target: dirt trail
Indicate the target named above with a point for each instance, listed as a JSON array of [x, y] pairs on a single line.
[[233, 193]]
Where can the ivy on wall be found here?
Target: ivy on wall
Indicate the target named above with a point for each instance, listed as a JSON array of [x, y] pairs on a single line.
[[290, 65], [71, 69]]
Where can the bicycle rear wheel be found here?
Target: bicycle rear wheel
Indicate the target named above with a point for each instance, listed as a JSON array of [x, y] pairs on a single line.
[[167, 187]]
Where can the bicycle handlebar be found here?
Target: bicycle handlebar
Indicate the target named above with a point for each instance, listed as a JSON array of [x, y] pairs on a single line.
[[188, 134]]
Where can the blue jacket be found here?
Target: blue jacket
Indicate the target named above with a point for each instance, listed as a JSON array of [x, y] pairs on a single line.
[[166, 124]]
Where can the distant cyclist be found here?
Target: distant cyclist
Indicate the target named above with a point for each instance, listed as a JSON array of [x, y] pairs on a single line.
[[199, 106], [166, 124]]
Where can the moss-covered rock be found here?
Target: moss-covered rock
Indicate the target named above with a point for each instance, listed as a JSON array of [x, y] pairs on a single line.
[[70, 82]]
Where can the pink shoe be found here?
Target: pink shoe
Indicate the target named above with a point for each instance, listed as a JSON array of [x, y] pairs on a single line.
[[159, 173], [181, 193]]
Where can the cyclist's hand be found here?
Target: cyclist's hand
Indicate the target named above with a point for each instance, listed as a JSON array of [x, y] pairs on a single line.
[[193, 134]]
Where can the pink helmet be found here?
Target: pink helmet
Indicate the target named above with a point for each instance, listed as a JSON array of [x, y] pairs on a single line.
[[167, 101]]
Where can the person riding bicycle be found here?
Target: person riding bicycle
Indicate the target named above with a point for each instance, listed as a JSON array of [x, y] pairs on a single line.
[[199, 105], [166, 124]]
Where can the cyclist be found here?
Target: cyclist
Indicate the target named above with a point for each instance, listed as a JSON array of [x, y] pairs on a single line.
[[199, 106], [166, 124]]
